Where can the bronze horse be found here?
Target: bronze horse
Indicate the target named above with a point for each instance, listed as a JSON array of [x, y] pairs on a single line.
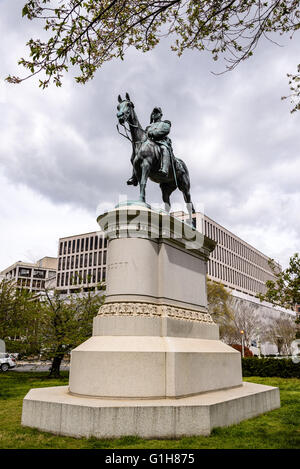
[[146, 160]]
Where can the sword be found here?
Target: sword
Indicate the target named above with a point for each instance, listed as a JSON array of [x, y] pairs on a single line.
[[172, 161]]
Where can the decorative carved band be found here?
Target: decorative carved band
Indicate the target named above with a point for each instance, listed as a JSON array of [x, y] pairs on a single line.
[[150, 309]]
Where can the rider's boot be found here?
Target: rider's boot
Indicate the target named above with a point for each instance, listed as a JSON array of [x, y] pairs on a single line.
[[132, 181], [164, 170]]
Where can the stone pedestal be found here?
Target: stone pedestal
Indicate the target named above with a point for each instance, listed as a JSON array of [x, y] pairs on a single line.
[[155, 366]]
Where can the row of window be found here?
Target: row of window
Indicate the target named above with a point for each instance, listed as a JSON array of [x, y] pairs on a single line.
[[233, 260], [86, 276], [89, 259], [233, 244], [239, 280], [27, 283], [28, 272], [88, 243]]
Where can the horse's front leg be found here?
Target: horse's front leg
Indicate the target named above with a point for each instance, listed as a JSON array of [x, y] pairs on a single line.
[[145, 170]]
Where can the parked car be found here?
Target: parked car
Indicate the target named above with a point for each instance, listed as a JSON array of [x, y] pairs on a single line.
[[7, 361]]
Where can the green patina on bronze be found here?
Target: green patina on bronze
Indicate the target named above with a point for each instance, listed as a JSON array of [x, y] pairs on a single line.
[[152, 155]]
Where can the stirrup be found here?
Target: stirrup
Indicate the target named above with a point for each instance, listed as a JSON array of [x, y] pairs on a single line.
[[163, 172]]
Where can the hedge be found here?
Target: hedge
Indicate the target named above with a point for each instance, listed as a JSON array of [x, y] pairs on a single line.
[[279, 367]]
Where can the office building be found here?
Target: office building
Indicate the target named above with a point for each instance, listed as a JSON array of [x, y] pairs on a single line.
[[31, 276], [235, 263], [81, 262]]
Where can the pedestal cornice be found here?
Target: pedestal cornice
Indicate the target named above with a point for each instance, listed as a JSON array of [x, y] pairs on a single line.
[[137, 220]]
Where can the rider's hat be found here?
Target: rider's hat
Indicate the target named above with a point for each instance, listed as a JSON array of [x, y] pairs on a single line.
[[155, 110]]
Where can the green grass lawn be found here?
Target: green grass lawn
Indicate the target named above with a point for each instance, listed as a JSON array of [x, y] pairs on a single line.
[[277, 429]]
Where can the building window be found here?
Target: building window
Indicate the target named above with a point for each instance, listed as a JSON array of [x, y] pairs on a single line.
[[79, 277], [72, 278], [24, 272], [37, 273]]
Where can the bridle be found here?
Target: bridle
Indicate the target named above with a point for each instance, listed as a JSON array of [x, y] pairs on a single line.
[[128, 131]]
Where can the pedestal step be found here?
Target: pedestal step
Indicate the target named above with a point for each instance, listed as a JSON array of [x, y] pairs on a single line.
[[152, 367], [55, 410]]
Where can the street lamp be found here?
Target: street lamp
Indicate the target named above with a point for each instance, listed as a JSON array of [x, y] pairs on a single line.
[[243, 350]]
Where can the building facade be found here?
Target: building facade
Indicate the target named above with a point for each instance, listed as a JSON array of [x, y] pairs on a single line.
[[81, 262], [235, 263], [31, 276]]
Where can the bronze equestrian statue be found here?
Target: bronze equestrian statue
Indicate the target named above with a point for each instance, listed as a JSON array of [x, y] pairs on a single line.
[[152, 155]]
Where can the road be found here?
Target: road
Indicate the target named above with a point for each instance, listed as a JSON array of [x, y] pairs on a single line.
[[39, 367]]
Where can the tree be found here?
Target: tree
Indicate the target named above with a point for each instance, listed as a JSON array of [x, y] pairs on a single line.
[[281, 333], [218, 301], [285, 289], [19, 318], [88, 33], [294, 82], [245, 317], [66, 322]]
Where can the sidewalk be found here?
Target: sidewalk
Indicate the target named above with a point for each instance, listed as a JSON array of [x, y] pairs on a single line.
[[38, 366]]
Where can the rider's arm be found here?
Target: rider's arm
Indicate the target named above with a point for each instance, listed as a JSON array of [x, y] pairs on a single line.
[[161, 131]]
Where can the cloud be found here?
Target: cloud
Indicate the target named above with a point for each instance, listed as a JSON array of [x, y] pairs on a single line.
[[237, 137], [31, 224]]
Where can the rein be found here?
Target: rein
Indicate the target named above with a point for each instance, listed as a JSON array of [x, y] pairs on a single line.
[[123, 135], [128, 130]]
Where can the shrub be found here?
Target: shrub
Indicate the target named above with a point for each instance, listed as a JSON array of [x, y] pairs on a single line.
[[281, 368]]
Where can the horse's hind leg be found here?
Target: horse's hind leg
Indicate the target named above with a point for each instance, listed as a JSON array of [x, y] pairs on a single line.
[[184, 186]]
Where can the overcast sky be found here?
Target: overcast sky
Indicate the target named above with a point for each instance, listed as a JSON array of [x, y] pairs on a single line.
[[61, 159]]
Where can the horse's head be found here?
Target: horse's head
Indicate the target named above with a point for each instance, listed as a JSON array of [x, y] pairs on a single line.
[[125, 110]]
